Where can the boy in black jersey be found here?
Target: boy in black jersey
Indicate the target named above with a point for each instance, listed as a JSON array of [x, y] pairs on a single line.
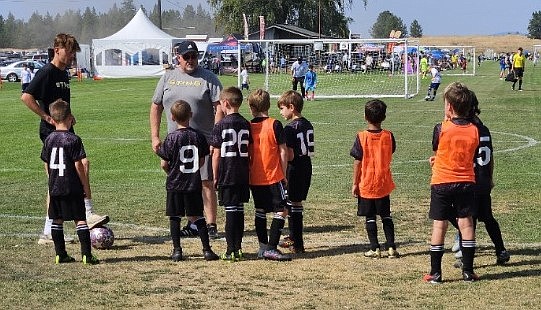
[[182, 154], [484, 182], [230, 163], [299, 135], [63, 153]]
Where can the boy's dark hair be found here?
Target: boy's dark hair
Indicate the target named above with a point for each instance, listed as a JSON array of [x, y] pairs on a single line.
[[474, 104], [59, 110], [374, 111], [310, 67], [259, 100], [181, 111], [233, 95], [67, 41], [459, 97], [293, 98]]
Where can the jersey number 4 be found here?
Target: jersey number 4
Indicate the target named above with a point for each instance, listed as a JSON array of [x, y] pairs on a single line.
[[60, 166]]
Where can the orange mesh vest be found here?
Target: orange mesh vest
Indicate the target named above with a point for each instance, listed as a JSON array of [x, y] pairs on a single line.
[[376, 180], [455, 155], [265, 166]]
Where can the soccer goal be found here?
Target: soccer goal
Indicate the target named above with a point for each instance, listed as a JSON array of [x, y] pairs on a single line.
[[451, 60], [346, 68], [536, 54]]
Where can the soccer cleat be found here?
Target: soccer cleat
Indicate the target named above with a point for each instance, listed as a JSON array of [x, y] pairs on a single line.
[[48, 239], [63, 259], [213, 231], [228, 257], [393, 253], [286, 242], [239, 255], [503, 257], [276, 255], [375, 254], [210, 255], [520, 89], [469, 276], [188, 231], [90, 260], [95, 220], [177, 255], [433, 278]]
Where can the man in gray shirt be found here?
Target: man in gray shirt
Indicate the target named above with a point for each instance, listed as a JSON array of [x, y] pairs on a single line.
[[201, 89]]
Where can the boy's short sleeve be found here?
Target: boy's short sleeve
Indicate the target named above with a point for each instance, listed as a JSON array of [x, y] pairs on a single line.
[[436, 137], [357, 150], [279, 132]]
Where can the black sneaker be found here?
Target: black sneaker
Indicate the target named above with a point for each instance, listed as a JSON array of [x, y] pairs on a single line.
[[177, 255], [90, 260], [469, 276], [210, 255], [63, 259], [213, 231], [433, 278], [188, 231], [503, 257], [276, 255]]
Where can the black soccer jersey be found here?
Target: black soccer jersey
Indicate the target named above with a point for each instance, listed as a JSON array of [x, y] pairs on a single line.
[[183, 149], [60, 151], [232, 136], [300, 137], [483, 160], [49, 84]]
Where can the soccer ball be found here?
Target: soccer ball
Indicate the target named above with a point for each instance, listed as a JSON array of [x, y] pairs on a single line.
[[102, 237]]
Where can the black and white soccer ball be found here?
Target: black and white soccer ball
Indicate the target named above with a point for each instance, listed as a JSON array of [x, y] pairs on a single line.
[[102, 237]]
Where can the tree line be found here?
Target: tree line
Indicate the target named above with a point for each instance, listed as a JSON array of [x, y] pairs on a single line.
[[39, 31]]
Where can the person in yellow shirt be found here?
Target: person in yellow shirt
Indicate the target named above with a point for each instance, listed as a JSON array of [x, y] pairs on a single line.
[[519, 60]]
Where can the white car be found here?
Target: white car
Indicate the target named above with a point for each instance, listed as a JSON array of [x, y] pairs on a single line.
[[12, 72]]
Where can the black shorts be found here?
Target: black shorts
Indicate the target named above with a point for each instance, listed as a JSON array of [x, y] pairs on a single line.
[[519, 72], [67, 208], [483, 205], [451, 200], [299, 179], [184, 204], [373, 207], [233, 195], [271, 198]]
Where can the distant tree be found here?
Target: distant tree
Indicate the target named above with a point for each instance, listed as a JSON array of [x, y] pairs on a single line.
[[2, 32], [534, 28], [416, 31], [304, 14], [385, 23]]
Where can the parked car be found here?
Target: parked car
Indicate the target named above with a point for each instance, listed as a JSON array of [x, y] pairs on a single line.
[[12, 72]]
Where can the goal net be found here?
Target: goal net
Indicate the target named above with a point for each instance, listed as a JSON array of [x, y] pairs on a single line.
[[346, 68], [536, 54], [451, 60]]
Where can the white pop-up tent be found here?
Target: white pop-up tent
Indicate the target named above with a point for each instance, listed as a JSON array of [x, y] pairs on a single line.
[[138, 49]]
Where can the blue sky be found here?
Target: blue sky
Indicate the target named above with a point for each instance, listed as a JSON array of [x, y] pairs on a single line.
[[456, 17]]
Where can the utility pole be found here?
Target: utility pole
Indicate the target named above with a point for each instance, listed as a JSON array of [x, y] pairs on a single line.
[[319, 18], [160, 12]]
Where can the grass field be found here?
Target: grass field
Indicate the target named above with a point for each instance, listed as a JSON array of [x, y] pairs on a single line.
[[112, 119]]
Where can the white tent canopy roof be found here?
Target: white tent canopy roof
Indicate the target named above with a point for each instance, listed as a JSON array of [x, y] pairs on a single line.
[[138, 49], [140, 27]]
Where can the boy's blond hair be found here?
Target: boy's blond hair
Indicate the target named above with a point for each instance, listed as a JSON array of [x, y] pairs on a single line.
[[181, 111], [293, 98], [233, 95], [259, 100], [60, 110], [459, 97], [67, 41]]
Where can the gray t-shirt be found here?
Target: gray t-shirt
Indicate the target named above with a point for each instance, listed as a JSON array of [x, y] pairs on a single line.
[[200, 89]]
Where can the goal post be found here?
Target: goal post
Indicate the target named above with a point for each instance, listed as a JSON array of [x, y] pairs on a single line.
[[345, 68], [448, 58]]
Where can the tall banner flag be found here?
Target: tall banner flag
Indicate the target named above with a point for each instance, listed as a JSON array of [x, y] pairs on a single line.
[[245, 26], [261, 27]]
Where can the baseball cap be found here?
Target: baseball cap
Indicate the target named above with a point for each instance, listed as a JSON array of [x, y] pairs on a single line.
[[185, 47]]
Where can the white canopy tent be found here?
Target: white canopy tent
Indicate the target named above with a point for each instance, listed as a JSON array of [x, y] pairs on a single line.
[[138, 49]]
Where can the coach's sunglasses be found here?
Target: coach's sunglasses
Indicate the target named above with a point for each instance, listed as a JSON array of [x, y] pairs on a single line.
[[189, 56]]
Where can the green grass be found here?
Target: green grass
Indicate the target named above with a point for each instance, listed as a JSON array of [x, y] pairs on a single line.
[[127, 184]]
